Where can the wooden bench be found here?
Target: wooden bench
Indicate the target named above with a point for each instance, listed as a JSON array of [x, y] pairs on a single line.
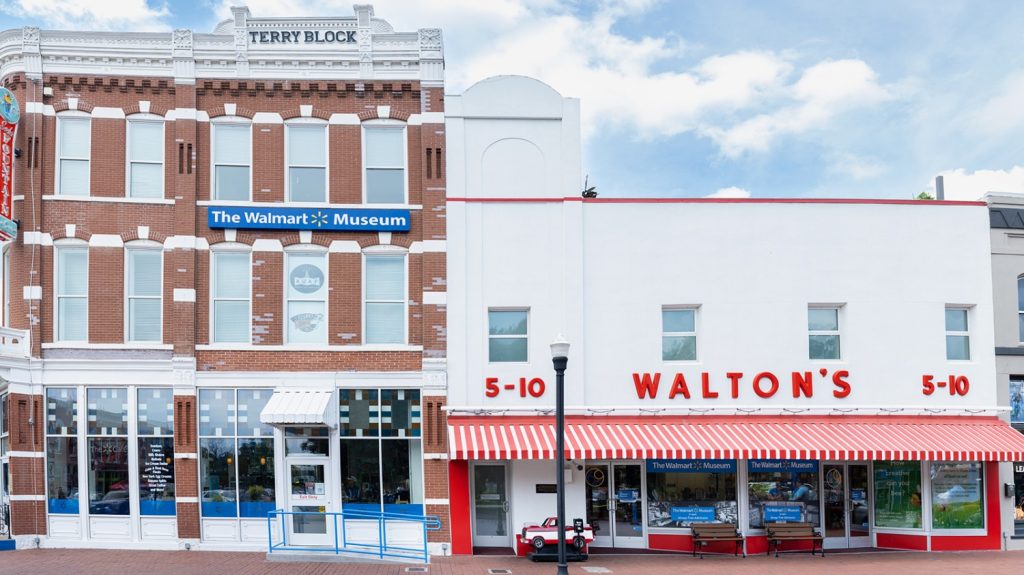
[[704, 533], [781, 532]]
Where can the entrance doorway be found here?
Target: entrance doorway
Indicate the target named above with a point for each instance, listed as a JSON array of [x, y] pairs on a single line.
[[309, 485], [847, 505], [615, 504], [490, 506]]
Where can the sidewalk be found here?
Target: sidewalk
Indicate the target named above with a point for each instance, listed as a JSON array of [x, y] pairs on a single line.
[[112, 562]]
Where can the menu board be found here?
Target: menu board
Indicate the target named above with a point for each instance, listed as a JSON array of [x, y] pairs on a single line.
[[157, 466]]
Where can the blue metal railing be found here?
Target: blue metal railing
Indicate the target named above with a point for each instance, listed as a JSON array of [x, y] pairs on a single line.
[[381, 548]]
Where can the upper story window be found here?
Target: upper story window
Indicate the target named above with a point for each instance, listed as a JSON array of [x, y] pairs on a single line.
[[73, 150], [384, 159], [1020, 308], [144, 297], [507, 335], [823, 332], [678, 334], [232, 160], [384, 295], [307, 162], [146, 157], [958, 339], [306, 294], [72, 293], [231, 297]]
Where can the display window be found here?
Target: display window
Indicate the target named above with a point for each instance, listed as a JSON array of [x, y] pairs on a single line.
[[1018, 498], [685, 491], [62, 450], [957, 495], [783, 490], [898, 494]]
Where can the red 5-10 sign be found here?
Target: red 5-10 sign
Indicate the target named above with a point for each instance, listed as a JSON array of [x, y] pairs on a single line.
[[533, 388]]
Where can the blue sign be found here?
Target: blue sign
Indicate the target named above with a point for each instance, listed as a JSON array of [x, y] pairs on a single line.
[[783, 465], [326, 219], [628, 495], [691, 466], [858, 495], [776, 513], [693, 514]]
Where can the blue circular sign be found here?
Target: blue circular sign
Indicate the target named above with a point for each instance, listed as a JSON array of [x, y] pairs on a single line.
[[306, 278], [9, 110]]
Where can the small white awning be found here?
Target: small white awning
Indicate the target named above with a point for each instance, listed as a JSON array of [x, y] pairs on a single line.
[[289, 406]]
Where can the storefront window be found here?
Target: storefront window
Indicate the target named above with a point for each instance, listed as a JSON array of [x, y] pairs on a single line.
[[156, 451], [306, 441], [255, 476], [783, 490], [4, 440], [898, 494], [957, 501], [108, 456], [62, 450], [1018, 511], [360, 472], [218, 477], [684, 491]]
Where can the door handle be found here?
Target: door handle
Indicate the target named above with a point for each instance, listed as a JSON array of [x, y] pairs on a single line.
[[504, 506]]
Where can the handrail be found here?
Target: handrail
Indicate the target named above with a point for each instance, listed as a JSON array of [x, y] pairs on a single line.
[[381, 548]]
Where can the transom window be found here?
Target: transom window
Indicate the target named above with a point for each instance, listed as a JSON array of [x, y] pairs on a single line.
[[679, 334], [73, 151], [232, 160], [823, 332], [384, 159], [307, 162], [958, 339], [146, 158], [507, 335]]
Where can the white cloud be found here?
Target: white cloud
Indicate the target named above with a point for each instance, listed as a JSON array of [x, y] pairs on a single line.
[[1003, 113], [132, 15], [730, 192], [857, 167], [961, 185]]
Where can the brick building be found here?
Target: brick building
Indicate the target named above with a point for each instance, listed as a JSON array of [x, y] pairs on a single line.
[[227, 293]]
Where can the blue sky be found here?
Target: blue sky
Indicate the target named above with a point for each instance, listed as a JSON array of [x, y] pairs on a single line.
[[734, 98]]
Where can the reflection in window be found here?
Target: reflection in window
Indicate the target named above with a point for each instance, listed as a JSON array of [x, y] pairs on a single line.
[[783, 490], [108, 456], [507, 335], [823, 332], [217, 469], [898, 494], [958, 340], [402, 474], [62, 450], [678, 334], [360, 473], [680, 492], [306, 440], [255, 477]]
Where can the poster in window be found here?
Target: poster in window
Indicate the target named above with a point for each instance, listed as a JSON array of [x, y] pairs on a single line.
[[1017, 401], [898, 494], [956, 496]]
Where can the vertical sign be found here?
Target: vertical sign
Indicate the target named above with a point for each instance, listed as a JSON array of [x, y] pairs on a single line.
[[9, 116]]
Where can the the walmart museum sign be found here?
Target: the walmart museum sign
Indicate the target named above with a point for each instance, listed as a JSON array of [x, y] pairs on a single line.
[[326, 219]]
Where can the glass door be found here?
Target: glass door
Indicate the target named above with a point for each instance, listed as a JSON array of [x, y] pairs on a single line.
[[859, 505], [628, 505], [598, 510], [490, 506], [308, 492], [847, 505]]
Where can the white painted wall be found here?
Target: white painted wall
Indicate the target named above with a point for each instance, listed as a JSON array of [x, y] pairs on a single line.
[[529, 507]]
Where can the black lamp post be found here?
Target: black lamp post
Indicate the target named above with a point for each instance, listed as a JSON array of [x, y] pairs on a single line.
[[560, 359]]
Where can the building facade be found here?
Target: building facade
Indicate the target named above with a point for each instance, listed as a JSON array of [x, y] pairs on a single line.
[[735, 361], [227, 293]]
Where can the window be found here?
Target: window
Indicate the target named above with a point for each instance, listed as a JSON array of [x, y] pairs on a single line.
[[146, 158], [1017, 401], [62, 450], [898, 494], [678, 334], [1018, 498], [232, 153], [72, 294], [7, 288], [73, 150], [783, 490], [307, 162], [384, 160], [684, 491], [1020, 308], [306, 305], [107, 430], [236, 453], [957, 501], [381, 453], [306, 441], [823, 332], [156, 451], [507, 335], [958, 341], [232, 285], [5, 444], [385, 299], [144, 300]]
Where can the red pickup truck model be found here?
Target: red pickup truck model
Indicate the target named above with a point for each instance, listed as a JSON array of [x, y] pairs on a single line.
[[547, 534]]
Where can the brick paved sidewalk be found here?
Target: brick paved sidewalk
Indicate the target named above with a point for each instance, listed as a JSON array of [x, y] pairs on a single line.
[[110, 562]]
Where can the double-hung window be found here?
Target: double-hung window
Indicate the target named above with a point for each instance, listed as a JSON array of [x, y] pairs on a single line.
[[231, 289], [958, 339], [146, 158], [823, 332], [72, 293], [678, 334], [384, 161], [1020, 308], [507, 335], [232, 160], [144, 299], [306, 305], [384, 294], [307, 162], [73, 149]]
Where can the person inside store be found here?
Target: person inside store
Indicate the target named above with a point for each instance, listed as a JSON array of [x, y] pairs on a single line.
[[804, 490]]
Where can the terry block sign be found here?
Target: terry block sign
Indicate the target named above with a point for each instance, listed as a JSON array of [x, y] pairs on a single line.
[[9, 116], [322, 219]]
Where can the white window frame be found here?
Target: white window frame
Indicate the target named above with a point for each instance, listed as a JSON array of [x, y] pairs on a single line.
[[63, 117], [306, 122], [227, 121], [7, 285], [136, 119], [231, 248], [696, 328], [307, 250], [487, 320], [140, 246], [967, 317], [389, 251], [386, 124], [71, 245], [836, 332], [1020, 310]]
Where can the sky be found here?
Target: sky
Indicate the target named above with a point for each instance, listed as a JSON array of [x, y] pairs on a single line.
[[732, 98]]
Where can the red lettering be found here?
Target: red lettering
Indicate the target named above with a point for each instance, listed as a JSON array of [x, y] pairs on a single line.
[[536, 387], [963, 385], [771, 390], [492, 387], [803, 382], [734, 379], [679, 386], [705, 384], [842, 386], [646, 386]]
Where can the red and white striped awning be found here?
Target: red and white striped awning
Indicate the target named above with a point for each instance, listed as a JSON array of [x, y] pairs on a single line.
[[738, 437]]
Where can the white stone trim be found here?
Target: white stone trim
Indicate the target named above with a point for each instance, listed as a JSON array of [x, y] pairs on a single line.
[[252, 204], [230, 109], [383, 112], [186, 243], [28, 497], [32, 292], [306, 110], [426, 118], [345, 247], [265, 245], [309, 347], [37, 238], [179, 499], [39, 108], [306, 236], [428, 246], [267, 118], [142, 232], [108, 113], [185, 295], [344, 120], [69, 230], [72, 103], [435, 456], [435, 502], [84, 345], [144, 106], [28, 454], [117, 200], [435, 298], [178, 455], [230, 235], [187, 114], [105, 241], [384, 238]]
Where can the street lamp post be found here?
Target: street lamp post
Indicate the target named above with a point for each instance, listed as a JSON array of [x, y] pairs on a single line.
[[560, 359]]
